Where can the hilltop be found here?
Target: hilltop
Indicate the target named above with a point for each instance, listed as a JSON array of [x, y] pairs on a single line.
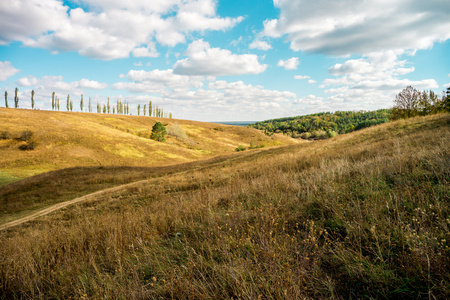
[[360, 215], [69, 139]]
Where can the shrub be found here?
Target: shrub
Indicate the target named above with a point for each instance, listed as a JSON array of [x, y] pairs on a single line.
[[177, 131], [319, 134], [4, 135], [158, 132], [305, 135], [240, 148], [253, 146], [26, 135], [331, 133]]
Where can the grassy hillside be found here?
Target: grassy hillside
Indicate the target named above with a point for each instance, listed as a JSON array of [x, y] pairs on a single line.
[[66, 139], [362, 215]]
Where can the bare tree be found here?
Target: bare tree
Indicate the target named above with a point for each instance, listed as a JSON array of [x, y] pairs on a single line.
[[406, 103]]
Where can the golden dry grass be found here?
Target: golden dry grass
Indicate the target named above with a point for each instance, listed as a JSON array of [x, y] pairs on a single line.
[[67, 139], [363, 215]]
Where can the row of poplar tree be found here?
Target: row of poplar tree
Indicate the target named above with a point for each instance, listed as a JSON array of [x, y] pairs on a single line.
[[122, 108]]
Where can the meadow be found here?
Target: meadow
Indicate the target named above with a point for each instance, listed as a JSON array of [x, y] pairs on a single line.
[[360, 215]]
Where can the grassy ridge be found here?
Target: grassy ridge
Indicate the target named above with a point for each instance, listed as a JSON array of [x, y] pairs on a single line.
[[363, 215], [66, 140]]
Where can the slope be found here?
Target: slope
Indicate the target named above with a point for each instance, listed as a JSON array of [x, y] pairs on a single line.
[[66, 140], [363, 215]]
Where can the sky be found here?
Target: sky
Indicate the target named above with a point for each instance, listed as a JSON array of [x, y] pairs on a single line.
[[224, 60]]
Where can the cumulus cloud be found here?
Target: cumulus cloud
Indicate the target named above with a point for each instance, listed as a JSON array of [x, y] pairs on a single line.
[[372, 81], [261, 45], [204, 60], [359, 27], [290, 64], [7, 70], [109, 29], [149, 51], [91, 84], [27, 81], [158, 81]]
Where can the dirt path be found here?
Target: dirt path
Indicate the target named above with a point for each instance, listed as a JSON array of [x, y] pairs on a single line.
[[58, 206], [210, 163]]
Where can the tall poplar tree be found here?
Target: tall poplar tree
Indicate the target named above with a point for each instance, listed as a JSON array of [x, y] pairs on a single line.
[[145, 109], [6, 99], [108, 107], [32, 99], [139, 109], [53, 101], [81, 102], [68, 103], [16, 99]]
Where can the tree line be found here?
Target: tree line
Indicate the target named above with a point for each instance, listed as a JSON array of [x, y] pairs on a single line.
[[120, 107], [323, 125], [411, 102]]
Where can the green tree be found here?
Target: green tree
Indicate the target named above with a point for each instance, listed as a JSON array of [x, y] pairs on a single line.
[[145, 109], [53, 101], [32, 99], [16, 99], [68, 103], [71, 105], [139, 109], [6, 99], [81, 103], [108, 107], [158, 132], [150, 109], [90, 106]]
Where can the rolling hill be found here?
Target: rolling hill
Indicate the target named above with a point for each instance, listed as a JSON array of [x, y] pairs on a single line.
[[360, 215], [66, 139]]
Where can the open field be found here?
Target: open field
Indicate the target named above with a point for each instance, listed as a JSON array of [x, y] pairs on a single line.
[[362, 215], [66, 140]]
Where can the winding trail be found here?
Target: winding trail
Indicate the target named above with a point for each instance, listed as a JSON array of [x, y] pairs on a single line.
[[58, 206], [189, 167]]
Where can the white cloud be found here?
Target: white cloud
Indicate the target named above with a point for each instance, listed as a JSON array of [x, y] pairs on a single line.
[[290, 64], [110, 29], [149, 51], [138, 64], [91, 84], [158, 81], [301, 77], [261, 45], [27, 81], [7, 70], [204, 60], [371, 81], [311, 81], [359, 27]]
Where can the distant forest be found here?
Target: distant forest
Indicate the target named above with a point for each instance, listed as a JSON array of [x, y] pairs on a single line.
[[324, 125]]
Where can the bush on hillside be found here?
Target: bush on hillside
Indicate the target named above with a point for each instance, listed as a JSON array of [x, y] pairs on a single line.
[[158, 132], [240, 148]]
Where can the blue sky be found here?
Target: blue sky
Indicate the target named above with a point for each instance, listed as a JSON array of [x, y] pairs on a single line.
[[224, 60]]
